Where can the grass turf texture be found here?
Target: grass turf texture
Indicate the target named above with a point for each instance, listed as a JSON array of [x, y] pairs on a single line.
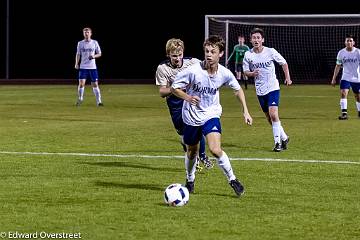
[[109, 197]]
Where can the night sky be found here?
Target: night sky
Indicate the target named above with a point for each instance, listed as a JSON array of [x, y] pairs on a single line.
[[44, 34]]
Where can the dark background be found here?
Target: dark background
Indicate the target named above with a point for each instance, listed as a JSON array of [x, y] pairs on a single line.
[[132, 35]]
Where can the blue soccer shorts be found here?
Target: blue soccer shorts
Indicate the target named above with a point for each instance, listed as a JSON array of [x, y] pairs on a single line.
[[193, 134], [269, 100]]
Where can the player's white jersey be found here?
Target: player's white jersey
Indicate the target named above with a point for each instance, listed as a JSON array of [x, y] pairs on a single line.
[[350, 62], [198, 82], [165, 72], [87, 49], [266, 81]]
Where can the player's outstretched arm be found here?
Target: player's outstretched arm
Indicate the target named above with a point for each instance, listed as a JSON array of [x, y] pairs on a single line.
[[241, 97]]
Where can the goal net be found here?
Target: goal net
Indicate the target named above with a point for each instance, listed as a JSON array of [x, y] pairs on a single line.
[[309, 43]]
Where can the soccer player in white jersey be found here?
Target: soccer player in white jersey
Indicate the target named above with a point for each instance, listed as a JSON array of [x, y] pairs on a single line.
[[349, 59], [259, 63], [165, 75], [202, 110], [87, 51]]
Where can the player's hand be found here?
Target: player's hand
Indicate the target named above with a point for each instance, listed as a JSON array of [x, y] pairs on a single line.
[[194, 100], [256, 72], [333, 82], [76, 66], [288, 82], [248, 119]]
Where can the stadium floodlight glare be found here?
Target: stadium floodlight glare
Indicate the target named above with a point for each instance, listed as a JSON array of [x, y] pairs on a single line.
[[309, 43]]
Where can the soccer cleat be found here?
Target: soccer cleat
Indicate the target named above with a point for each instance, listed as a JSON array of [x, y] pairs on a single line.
[[205, 160], [284, 143], [238, 188], [100, 104], [78, 102], [277, 147], [359, 114], [190, 186], [199, 168], [343, 116]]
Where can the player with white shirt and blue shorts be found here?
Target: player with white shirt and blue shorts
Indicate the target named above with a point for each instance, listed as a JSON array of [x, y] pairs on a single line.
[[349, 59], [259, 63], [165, 75], [202, 110], [86, 52]]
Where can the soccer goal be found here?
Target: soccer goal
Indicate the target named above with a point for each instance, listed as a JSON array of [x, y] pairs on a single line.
[[309, 43]]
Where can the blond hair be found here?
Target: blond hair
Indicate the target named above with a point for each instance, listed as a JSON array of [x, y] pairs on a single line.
[[174, 45], [87, 29]]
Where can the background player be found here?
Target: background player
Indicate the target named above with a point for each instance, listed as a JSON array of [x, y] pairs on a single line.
[[259, 63], [239, 51], [349, 59], [87, 51]]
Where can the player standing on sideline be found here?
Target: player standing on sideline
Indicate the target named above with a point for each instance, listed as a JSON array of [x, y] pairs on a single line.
[[259, 63], [165, 75], [239, 50], [202, 110], [349, 59], [87, 51]]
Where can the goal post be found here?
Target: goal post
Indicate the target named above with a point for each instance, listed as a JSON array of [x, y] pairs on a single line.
[[309, 43]]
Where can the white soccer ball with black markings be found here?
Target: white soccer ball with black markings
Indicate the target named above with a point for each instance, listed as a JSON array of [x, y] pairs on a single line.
[[176, 195]]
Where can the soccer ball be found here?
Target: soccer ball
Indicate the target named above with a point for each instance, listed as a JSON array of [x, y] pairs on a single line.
[[176, 195]]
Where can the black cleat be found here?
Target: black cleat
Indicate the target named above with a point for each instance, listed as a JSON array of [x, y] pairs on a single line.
[[238, 188], [78, 103], [277, 147], [343, 117], [284, 143], [359, 114], [205, 160], [190, 186], [100, 104]]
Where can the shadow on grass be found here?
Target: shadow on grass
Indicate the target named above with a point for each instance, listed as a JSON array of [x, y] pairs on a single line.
[[142, 186], [132, 165]]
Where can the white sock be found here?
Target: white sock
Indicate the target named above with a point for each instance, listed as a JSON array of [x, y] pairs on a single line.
[[276, 131], [97, 93], [283, 135], [182, 142], [358, 106], [81, 93], [190, 167], [224, 164], [343, 103]]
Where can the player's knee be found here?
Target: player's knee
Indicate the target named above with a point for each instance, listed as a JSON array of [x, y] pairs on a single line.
[[216, 151]]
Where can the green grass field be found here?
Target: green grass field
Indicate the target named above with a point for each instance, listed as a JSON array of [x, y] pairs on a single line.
[[101, 172]]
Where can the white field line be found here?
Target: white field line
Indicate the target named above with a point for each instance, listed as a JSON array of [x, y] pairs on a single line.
[[180, 157]]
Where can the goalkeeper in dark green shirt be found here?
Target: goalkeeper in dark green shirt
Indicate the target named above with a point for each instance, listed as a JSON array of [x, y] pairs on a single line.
[[239, 51]]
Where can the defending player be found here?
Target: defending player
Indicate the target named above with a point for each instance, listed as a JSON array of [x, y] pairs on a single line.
[[349, 59], [259, 63], [202, 109], [165, 75]]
